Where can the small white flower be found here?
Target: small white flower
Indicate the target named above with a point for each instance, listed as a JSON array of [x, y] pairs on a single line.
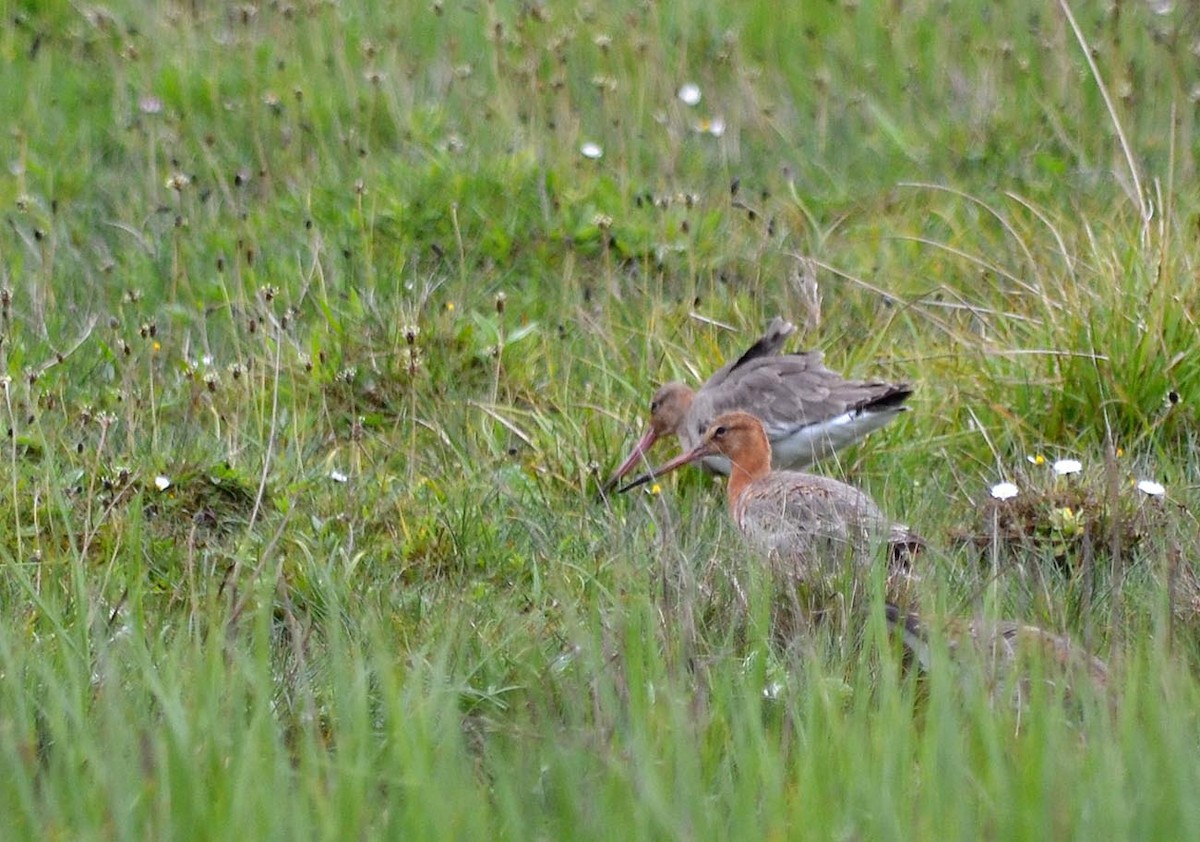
[[689, 94], [591, 151], [338, 476], [162, 483], [1005, 491], [1063, 467], [714, 127], [773, 691], [1149, 486]]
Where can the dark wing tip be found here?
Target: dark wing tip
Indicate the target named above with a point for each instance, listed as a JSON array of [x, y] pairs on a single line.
[[906, 621], [769, 344], [891, 398], [904, 546]]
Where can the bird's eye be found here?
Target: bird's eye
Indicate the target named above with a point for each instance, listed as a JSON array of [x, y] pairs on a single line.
[[718, 431], [653, 407]]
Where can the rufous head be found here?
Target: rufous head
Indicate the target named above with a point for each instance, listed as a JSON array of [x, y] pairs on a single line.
[[736, 435], [668, 408], [740, 437]]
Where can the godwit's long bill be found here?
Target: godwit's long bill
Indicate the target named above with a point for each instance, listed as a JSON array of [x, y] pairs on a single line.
[[808, 523], [807, 411]]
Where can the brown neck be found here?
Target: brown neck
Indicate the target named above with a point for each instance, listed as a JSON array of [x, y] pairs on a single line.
[[746, 466]]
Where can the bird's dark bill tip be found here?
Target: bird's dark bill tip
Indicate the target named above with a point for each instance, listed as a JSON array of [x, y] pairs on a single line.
[[642, 480]]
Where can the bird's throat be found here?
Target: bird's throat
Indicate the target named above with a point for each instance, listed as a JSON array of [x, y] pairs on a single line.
[[741, 474]]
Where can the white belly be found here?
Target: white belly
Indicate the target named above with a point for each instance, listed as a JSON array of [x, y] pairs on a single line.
[[814, 442]]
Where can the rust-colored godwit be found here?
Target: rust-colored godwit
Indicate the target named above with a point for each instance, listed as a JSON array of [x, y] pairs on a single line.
[[807, 410], [809, 526]]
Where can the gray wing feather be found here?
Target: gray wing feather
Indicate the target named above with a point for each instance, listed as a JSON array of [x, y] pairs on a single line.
[[787, 393], [810, 522]]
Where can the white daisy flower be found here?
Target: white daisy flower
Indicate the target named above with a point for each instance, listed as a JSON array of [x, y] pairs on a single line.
[[1005, 491], [338, 476], [1149, 486], [689, 93], [591, 151], [1063, 467], [162, 483]]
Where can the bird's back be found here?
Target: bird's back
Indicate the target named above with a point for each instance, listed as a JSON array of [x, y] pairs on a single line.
[[1010, 654], [810, 521]]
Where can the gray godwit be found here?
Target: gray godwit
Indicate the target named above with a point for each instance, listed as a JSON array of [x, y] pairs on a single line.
[[807, 410]]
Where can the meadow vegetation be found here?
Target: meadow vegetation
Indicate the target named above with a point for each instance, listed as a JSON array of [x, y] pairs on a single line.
[[321, 323]]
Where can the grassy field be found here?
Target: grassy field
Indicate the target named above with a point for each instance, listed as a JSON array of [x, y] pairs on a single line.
[[320, 324]]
